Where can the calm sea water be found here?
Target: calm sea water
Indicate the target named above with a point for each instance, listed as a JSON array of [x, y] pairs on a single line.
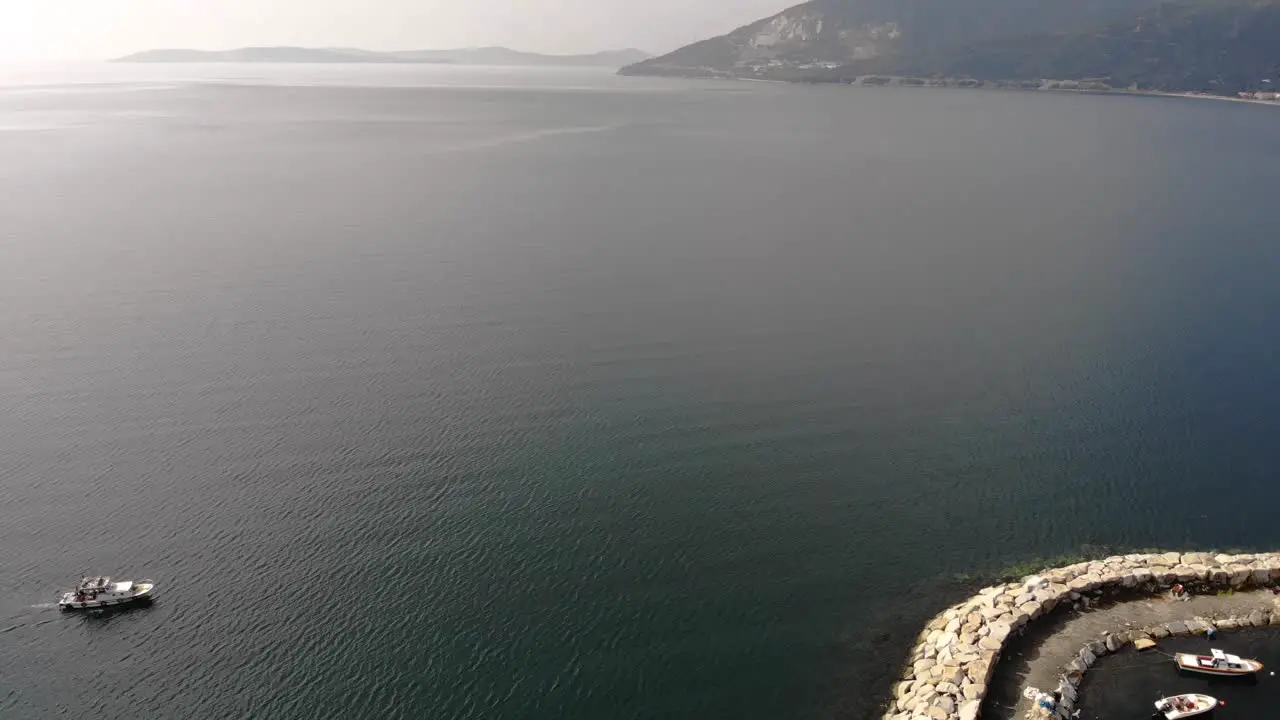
[[424, 392]]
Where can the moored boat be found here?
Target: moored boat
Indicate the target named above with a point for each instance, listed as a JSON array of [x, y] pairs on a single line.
[[101, 592], [1185, 706], [1217, 663]]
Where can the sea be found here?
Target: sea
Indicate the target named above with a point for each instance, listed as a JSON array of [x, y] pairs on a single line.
[[442, 392]]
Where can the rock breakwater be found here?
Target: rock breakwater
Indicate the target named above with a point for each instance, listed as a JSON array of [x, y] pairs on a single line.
[[948, 672]]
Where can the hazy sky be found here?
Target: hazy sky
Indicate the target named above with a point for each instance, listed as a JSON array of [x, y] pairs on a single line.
[[89, 29]]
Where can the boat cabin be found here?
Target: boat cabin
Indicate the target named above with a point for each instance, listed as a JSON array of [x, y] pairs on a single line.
[[1222, 661], [90, 588], [94, 584]]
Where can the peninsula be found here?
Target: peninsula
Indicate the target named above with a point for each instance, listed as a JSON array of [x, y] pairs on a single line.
[[1220, 47], [463, 56]]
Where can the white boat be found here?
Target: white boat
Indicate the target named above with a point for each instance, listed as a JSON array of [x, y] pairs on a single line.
[[1185, 706], [101, 592], [1217, 663]]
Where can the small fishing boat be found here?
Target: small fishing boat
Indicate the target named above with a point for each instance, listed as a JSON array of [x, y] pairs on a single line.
[[1185, 706], [101, 592], [1217, 663]]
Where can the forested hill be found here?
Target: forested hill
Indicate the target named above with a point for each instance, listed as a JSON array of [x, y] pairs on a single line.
[[1195, 45], [1185, 46]]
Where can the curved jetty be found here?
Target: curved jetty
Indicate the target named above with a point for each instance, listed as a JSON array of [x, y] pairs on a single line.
[[948, 672]]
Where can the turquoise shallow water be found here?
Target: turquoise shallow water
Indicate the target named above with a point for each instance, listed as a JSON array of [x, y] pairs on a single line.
[[525, 395]]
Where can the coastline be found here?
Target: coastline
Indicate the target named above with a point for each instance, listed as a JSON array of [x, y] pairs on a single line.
[[968, 85], [949, 673], [1080, 91], [1038, 657], [1195, 96], [1144, 93]]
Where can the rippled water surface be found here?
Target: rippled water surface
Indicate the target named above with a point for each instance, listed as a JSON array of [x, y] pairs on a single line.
[[424, 392]]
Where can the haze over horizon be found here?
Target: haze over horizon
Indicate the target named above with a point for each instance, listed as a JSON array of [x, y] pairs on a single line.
[[101, 29]]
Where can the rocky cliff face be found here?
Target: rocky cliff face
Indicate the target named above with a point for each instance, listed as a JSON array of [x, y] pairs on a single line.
[[805, 36]]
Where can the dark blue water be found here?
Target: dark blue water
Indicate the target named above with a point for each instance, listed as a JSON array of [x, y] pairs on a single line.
[[535, 396]]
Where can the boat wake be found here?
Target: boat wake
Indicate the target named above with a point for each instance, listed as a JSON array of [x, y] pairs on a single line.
[[44, 606]]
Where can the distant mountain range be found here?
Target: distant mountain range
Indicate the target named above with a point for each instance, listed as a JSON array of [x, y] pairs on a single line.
[[1217, 46], [464, 56]]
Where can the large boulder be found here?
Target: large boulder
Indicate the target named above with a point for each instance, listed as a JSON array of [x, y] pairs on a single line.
[[924, 699], [1087, 657], [944, 640], [950, 674], [1047, 599], [1085, 583], [993, 613], [1240, 576]]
